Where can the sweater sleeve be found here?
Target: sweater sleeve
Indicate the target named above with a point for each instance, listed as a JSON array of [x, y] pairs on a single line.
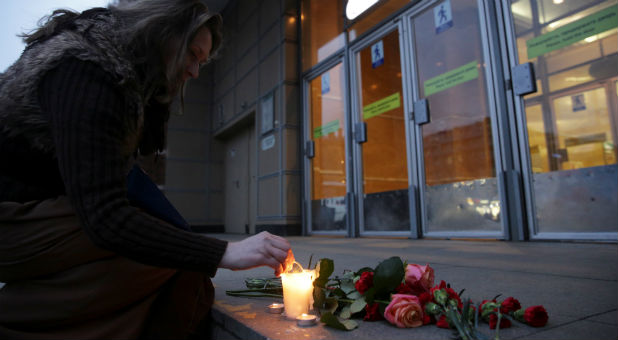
[[88, 115]]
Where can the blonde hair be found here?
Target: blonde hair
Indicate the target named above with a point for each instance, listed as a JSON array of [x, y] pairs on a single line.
[[154, 28]]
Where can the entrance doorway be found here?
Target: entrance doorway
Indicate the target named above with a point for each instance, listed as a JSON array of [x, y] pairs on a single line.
[[239, 172], [570, 124]]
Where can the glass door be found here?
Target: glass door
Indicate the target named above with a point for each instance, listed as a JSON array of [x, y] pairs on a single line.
[[326, 152], [380, 134], [461, 194], [570, 123]]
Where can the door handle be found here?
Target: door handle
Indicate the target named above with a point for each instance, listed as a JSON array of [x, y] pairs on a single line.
[[310, 149], [360, 133], [524, 79], [421, 112]]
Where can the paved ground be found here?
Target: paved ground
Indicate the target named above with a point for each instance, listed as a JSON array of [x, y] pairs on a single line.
[[576, 282]]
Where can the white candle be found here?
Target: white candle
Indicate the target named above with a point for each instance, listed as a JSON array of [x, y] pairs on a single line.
[[297, 292]]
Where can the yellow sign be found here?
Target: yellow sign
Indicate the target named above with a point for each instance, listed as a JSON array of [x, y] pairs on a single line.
[[383, 105]]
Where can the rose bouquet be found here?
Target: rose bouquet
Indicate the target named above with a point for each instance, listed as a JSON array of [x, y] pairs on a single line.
[[405, 295]]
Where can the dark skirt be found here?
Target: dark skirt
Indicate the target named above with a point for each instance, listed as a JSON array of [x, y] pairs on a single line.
[[59, 285]]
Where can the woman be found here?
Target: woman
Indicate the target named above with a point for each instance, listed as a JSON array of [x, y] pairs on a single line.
[[90, 92]]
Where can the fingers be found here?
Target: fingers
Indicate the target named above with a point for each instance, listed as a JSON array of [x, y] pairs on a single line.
[[279, 242], [263, 249], [278, 254]]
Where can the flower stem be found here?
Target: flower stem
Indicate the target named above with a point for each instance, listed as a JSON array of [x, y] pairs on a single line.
[[351, 301], [254, 294], [497, 337]]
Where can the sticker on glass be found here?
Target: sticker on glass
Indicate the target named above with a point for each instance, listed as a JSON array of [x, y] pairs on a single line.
[[443, 17], [579, 103], [377, 54], [325, 83]]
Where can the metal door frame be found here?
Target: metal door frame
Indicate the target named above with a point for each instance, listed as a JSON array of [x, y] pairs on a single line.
[[355, 118], [521, 145], [494, 81], [324, 66]]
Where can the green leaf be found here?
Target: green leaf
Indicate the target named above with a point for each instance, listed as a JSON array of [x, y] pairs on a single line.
[[370, 295], [319, 297], [331, 304], [354, 295], [348, 275], [345, 313], [332, 321], [347, 286], [358, 305], [388, 275], [382, 308], [339, 292], [324, 269]]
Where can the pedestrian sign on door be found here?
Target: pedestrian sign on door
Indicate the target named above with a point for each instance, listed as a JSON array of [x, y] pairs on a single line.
[[377, 54], [443, 17], [325, 83], [579, 102]]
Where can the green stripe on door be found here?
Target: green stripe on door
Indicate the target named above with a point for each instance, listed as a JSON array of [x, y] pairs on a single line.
[[566, 35], [451, 78], [383, 105], [325, 129]]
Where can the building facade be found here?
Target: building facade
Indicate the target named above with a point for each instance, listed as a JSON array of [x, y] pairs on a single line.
[[449, 119]]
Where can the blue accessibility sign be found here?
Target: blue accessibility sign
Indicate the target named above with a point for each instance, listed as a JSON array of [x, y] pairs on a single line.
[[377, 54], [443, 16]]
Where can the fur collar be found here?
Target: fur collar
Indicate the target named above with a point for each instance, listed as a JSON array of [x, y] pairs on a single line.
[[91, 38]]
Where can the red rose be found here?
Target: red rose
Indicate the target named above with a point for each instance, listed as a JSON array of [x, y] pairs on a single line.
[[372, 312], [404, 288], [536, 316], [442, 285], [493, 321], [453, 295], [426, 319], [509, 305], [364, 283], [424, 298], [485, 309], [442, 323]]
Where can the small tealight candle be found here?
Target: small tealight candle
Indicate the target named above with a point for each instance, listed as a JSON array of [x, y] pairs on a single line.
[[275, 308], [306, 320]]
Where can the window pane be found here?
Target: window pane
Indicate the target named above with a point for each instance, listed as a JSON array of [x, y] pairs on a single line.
[[328, 134], [322, 30], [375, 15]]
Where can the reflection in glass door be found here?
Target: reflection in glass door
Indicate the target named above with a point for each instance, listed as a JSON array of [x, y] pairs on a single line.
[[379, 111], [572, 118], [461, 195], [327, 165]]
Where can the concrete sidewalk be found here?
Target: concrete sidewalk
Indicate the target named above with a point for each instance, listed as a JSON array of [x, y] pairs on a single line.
[[576, 282]]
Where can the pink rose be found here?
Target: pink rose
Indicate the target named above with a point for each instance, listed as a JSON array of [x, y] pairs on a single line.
[[420, 278], [404, 311]]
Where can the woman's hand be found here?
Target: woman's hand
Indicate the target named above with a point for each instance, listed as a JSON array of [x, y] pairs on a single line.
[[263, 249]]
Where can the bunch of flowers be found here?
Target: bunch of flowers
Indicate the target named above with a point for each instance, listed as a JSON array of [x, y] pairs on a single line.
[[405, 295]]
